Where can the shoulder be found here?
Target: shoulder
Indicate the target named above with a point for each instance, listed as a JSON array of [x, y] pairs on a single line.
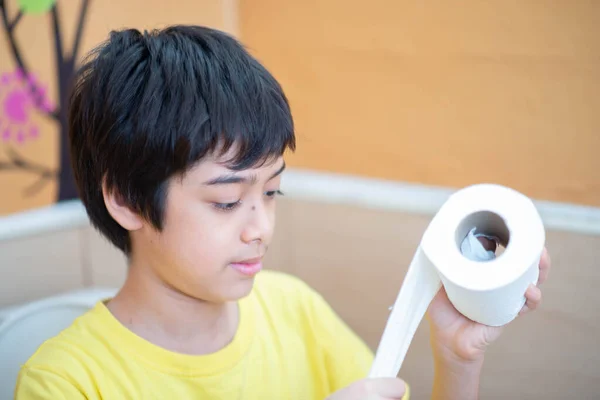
[[62, 359], [43, 384], [70, 341]]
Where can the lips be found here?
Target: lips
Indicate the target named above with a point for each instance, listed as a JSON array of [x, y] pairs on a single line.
[[249, 267], [250, 261]]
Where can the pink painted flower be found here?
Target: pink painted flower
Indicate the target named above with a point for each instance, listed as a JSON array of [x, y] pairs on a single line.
[[18, 103]]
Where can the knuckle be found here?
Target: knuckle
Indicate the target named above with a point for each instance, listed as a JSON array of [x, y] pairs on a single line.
[[362, 388]]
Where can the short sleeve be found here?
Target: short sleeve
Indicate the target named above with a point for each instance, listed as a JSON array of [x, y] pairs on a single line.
[[39, 384]]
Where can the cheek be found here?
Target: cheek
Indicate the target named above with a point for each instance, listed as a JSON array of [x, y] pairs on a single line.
[[199, 238], [271, 210]]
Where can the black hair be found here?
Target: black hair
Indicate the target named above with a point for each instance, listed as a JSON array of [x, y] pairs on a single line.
[[148, 106]]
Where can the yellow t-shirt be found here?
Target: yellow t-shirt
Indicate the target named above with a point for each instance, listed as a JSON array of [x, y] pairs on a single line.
[[289, 345]]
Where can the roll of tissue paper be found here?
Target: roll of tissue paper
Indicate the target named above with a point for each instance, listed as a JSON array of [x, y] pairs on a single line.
[[484, 288]]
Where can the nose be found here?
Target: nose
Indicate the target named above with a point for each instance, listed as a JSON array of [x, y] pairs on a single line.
[[259, 227]]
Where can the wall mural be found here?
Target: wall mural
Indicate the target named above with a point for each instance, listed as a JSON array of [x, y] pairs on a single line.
[[22, 95]]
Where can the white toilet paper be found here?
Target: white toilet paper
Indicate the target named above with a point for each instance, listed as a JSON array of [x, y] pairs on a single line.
[[472, 248], [485, 288]]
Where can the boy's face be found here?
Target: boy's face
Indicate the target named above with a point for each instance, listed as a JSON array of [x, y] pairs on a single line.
[[218, 224]]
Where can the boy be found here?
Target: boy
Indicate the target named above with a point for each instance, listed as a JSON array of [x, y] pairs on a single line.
[[177, 140]]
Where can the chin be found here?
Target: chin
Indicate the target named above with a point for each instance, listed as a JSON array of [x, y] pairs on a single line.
[[239, 289]]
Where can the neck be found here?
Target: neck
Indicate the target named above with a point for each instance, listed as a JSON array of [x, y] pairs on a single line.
[[168, 318]]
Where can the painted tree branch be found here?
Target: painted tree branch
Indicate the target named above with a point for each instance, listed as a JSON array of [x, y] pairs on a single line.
[[13, 24], [10, 27], [82, 14], [57, 38], [65, 62], [65, 65], [17, 163]]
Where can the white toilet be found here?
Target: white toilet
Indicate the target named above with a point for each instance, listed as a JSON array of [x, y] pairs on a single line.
[[23, 328]]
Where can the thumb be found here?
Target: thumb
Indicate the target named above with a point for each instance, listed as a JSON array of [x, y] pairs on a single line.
[[388, 388], [374, 388]]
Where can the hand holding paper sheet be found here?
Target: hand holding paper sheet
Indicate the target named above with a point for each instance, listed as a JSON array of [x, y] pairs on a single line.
[[483, 288]]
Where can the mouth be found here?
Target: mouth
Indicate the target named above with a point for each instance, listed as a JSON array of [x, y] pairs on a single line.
[[249, 267]]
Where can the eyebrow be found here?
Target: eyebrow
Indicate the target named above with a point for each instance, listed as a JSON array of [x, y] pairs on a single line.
[[229, 179]]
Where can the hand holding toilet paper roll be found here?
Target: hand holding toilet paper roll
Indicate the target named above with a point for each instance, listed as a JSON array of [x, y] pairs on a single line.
[[486, 289]]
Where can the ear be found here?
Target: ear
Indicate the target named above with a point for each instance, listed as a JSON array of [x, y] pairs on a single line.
[[120, 211]]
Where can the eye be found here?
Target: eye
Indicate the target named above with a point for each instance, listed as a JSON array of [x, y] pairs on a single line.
[[227, 206], [273, 193]]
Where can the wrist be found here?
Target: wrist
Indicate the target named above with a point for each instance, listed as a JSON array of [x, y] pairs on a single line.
[[456, 378], [457, 372], [458, 366], [452, 351]]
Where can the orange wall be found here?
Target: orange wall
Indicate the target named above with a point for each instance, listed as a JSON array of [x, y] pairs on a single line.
[[502, 91], [433, 92], [34, 35]]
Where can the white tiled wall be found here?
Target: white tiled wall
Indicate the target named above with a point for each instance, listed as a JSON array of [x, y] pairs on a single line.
[[106, 265], [38, 266]]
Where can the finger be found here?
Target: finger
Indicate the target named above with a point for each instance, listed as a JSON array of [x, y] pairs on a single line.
[[389, 388], [440, 297], [545, 264], [533, 297]]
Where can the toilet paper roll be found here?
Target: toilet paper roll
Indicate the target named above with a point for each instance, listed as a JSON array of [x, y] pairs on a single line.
[[489, 292]]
